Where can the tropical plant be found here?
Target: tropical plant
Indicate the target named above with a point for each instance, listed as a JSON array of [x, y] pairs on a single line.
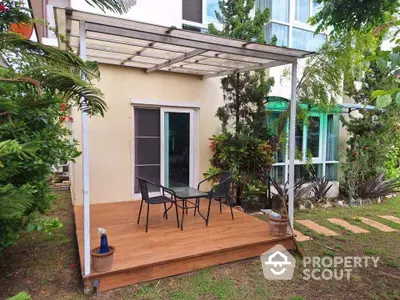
[[243, 145], [321, 188], [372, 188], [302, 189], [38, 86]]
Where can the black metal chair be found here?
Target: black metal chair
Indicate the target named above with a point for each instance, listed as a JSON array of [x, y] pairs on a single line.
[[219, 191], [162, 199]]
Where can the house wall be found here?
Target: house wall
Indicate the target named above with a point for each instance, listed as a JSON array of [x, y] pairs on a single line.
[[111, 137]]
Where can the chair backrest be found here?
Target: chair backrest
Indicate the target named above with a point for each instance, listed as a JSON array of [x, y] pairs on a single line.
[[223, 188], [144, 188]]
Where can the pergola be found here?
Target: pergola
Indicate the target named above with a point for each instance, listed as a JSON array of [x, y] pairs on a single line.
[[117, 41]]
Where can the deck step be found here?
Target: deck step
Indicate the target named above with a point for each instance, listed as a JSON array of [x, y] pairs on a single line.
[[348, 226], [317, 228]]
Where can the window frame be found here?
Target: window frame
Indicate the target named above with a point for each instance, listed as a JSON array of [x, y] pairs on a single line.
[[321, 159]]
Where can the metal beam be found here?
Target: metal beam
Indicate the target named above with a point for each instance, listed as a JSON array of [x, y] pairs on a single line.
[[85, 161], [150, 45], [246, 69], [292, 142], [178, 41], [175, 60]]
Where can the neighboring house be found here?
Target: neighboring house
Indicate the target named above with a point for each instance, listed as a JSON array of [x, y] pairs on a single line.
[[148, 112]]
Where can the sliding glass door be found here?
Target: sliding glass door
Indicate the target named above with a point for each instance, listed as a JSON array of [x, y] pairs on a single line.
[[164, 150], [177, 161]]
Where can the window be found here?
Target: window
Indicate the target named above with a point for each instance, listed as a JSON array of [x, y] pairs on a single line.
[[272, 119], [193, 10], [315, 8], [318, 136], [280, 31], [306, 40], [212, 7], [147, 146], [279, 9], [313, 135], [302, 10], [299, 141], [332, 138]]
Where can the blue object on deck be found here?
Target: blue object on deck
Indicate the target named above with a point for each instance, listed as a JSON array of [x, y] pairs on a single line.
[[103, 242]]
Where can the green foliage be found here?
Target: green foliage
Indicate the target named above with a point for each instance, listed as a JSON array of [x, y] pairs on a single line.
[[349, 15], [373, 146], [243, 146], [238, 22], [339, 62], [249, 158], [21, 296], [12, 12], [38, 85]]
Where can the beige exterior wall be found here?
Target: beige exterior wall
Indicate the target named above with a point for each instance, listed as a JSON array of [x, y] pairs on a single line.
[[111, 137]]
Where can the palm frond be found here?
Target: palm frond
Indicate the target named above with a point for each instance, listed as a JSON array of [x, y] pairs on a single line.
[[118, 6], [13, 202], [69, 86], [34, 53]]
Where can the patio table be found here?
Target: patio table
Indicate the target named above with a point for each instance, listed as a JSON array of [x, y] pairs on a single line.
[[185, 194]]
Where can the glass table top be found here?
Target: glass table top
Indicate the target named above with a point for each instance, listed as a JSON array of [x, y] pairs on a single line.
[[188, 192]]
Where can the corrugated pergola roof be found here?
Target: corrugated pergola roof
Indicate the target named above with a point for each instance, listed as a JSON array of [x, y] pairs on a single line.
[[151, 47]]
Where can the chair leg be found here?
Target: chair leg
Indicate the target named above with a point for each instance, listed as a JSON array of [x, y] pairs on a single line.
[[183, 213], [147, 218], [196, 206], [208, 211], [220, 205], [177, 215], [140, 212], [165, 211], [230, 206]]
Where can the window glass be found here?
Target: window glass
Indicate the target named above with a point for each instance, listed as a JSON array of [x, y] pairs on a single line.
[[212, 7], [306, 40], [302, 10], [279, 10], [147, 146], [331, 172], [278, 173], [299, 141], [280, 31], [272, 118], [192, 10], [316, 7], [313, 135], [332, 138], [307, 172]]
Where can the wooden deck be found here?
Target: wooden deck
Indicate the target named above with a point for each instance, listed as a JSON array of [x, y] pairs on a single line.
[[166, 250]]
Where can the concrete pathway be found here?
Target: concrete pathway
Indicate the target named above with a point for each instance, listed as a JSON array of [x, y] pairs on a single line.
[[348, 226], [377, 225], [317, 228], [391, 218]]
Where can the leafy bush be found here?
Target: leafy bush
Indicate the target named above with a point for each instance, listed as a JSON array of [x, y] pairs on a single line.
[[248, 157], [302, 189]]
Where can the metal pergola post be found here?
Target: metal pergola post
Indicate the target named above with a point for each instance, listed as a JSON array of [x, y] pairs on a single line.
[[292, 141], [85, 160]]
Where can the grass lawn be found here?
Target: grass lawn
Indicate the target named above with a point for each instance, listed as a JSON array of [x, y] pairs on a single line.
[[47, 266]]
